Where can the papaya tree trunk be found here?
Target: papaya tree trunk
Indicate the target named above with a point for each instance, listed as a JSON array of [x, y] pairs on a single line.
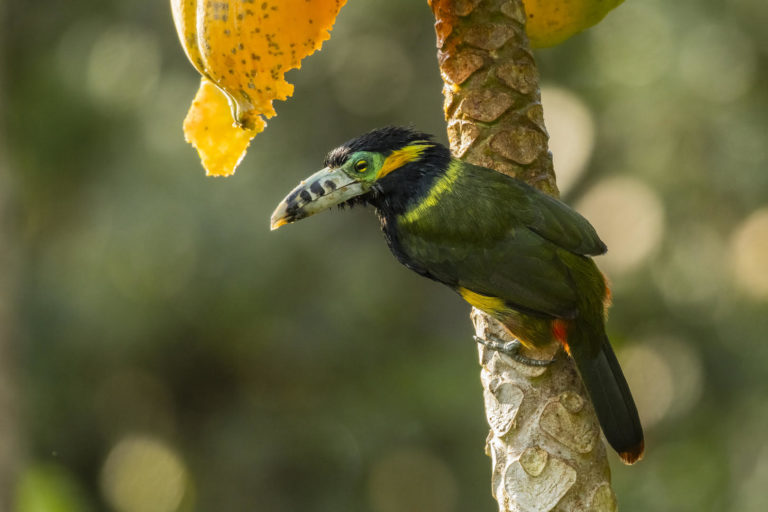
[[544, 443]]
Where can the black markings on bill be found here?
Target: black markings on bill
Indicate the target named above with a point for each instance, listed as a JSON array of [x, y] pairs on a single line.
[[331, 186], [305, 195], [317, 189]]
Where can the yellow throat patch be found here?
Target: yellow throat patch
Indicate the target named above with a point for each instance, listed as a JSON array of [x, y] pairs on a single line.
[[402, 156]]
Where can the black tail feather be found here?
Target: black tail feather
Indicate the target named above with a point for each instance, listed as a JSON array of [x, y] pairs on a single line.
[[610, 395]]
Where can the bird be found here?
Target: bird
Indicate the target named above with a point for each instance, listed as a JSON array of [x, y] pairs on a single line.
[[508, 249]]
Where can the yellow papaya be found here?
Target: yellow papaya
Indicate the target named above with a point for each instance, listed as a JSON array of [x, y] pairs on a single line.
[[550, 22], [244, 48]]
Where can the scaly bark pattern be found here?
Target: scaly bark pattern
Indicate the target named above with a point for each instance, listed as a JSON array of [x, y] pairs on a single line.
[[544, 443]]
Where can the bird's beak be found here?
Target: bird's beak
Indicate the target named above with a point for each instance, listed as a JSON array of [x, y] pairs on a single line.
[[324, 189]]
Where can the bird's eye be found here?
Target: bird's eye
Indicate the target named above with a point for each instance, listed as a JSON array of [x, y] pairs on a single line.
[[361, 165]]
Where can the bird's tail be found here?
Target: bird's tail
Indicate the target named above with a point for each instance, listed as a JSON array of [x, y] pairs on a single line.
[[609, 392]]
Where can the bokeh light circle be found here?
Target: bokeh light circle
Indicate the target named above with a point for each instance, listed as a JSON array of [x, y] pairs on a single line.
[[650, 378], [629, 218], [749, 254], [571, 130], [123, 67], [143, 474], [666, 376]]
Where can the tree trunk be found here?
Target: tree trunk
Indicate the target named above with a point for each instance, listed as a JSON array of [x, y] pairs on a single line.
[[8, 427], [545, 445]]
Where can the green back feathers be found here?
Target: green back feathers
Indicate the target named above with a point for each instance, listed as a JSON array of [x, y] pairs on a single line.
[[481, 230]]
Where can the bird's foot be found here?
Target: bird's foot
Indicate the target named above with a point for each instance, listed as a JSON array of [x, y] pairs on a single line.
[[512, 349]]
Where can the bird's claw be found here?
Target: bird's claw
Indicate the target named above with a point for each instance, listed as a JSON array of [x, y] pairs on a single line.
[[512, 349]]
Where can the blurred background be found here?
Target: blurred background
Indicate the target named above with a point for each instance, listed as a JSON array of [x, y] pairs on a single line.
[[162, 351]]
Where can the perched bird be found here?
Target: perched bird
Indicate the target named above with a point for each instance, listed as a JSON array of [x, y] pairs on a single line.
[[508, 249]]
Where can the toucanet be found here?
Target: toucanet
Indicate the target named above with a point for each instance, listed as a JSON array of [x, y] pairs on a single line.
[[508, 249]]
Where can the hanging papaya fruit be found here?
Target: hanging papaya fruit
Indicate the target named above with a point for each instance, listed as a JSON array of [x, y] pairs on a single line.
[[242, 49], [550, 22]]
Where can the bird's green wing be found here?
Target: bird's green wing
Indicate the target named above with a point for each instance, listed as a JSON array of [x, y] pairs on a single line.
[[550, 218], [497, 236], [522, 269], [561, 225]]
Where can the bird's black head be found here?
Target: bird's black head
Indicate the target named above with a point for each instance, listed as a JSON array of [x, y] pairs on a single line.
[[382, 140], [389, 168]]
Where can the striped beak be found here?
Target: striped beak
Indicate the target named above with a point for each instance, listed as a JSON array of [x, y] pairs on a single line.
[[324, 189]]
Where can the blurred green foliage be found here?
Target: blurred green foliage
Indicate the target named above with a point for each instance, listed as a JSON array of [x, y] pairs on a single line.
[[305, 369]]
